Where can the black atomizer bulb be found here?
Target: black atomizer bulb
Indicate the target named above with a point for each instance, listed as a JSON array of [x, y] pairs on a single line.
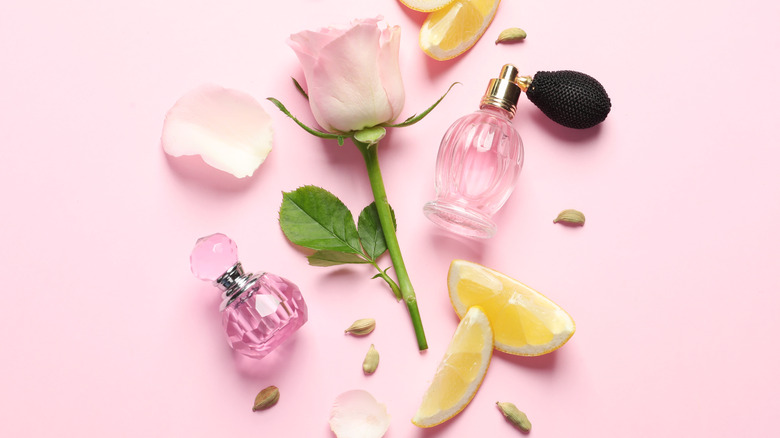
[[570, 98]]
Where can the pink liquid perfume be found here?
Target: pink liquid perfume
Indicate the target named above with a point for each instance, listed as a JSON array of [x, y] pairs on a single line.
[[479, 161], [259, 311]]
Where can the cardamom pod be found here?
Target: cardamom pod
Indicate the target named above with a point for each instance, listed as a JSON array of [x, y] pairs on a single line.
[[570, 217], [266, 398], [515, 416], [361, 327], [371, 361], [511, 35]]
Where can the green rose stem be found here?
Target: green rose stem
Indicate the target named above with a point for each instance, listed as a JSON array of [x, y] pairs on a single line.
[[371, 157], [366, 140]]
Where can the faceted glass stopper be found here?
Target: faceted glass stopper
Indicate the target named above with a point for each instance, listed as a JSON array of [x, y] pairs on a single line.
[[212, 256]]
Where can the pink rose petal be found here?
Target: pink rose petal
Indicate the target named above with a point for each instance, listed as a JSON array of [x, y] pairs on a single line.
[[227, 128], [357, 414]]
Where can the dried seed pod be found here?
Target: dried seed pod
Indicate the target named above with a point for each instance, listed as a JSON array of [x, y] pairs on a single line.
[[361, 327], [570, 217], [511, 35], [371, 361], [266, 398], [515, 416]]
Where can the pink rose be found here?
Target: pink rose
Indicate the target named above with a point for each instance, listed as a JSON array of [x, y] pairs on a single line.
[[352, 74]]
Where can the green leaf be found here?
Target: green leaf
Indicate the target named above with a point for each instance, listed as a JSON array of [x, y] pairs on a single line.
[[315, 218], [300, 89], [414, 119], [371, 135], [332, 258], [311, 131], [370, 230]]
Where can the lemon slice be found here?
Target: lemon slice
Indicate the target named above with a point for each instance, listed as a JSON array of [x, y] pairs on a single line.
[[425, 5], [525, 322], [452, 30], [460, 372]]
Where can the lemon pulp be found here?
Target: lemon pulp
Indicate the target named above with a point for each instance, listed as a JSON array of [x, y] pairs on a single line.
[[524, 321], [450, 31], [460, 372]]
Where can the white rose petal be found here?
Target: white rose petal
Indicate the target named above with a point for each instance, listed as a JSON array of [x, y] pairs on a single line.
[[227, 128], [357, 414]]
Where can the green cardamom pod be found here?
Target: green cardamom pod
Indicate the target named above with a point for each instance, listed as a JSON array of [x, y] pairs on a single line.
[[371, 361], [515, 416], [570, 217], [361, 327], [266, 398], [511, 35]]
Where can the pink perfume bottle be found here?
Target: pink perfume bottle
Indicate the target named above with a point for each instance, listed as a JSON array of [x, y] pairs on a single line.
[[479, 161], [259, 311]]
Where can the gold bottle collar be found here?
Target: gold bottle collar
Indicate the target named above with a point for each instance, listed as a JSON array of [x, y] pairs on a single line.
[[504, 92]]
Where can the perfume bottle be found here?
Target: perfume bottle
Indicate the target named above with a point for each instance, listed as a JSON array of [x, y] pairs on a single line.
[[479, 161], [259, 311]]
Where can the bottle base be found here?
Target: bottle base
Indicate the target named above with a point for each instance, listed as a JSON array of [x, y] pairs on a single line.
[[460, 220]]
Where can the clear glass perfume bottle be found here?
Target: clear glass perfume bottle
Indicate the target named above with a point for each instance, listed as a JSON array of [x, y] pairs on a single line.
[[259, 311], [479, 161]]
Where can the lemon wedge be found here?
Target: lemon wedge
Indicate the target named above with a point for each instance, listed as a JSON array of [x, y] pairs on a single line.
[[524, 322], [425, 5], [460, 372], [450, 31]]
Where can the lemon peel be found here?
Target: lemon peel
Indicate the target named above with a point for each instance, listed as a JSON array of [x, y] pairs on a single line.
[[425, 5]]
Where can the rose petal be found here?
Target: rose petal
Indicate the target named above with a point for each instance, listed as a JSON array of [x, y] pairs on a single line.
[[357, 414], [390, 71], [227, 128]]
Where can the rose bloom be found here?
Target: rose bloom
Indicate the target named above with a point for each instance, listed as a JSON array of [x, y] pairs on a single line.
[[352, 74]]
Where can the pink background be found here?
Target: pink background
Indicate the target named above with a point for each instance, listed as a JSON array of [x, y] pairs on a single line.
[[673, 281]]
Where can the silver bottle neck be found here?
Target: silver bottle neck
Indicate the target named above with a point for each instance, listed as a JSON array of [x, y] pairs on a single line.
[[234, 282]]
